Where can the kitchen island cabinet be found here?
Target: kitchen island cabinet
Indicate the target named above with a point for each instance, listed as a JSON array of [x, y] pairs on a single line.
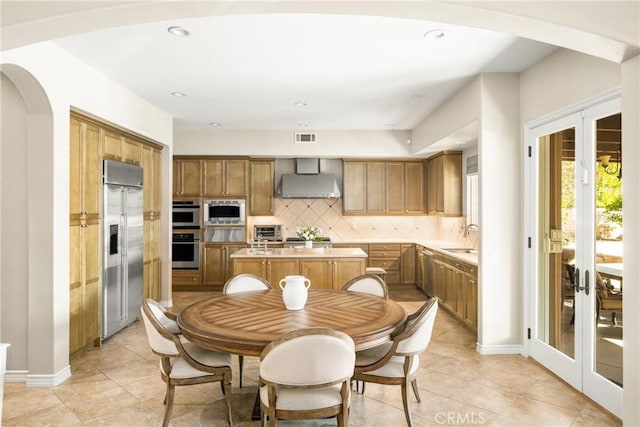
[[327, 268], [218, 266]]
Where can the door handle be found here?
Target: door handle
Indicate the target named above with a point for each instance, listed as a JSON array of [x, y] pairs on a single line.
[[586, 282], [576, 286]]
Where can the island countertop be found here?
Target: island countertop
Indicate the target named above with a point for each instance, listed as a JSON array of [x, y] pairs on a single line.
[[300, 253]]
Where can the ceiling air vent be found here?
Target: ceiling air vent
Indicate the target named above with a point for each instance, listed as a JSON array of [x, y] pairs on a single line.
[[305, 138]]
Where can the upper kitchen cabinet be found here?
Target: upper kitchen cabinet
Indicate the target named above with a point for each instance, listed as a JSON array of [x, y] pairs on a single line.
[[444, 180], [383, 187], [85, 171], [151, 162], [225, 177], [261, 179], [126, 149], [187, 177], [354, 182]]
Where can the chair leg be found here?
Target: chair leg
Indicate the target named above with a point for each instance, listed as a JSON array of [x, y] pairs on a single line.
[[263, 419], [169, 404], [405, 403], [241, 366], [414, 385], [614, 320], [226, 389]]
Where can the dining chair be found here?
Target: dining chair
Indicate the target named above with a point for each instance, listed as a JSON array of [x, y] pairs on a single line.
[[397, 362], [182, 362], [245, 282], [607, 298], [368, 284], [305, 374]]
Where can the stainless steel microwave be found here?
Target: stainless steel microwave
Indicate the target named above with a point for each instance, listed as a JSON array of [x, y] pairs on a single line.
[[224, 212]]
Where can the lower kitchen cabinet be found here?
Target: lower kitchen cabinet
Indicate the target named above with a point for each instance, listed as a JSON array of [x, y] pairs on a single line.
[[271, 269], [84, 288], [408, 264], [186, 280], [386, 256], [331, 273], [456, 287], [217, 263]]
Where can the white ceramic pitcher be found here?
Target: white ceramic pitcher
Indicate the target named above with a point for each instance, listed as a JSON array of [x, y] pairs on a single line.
[[294, 291]]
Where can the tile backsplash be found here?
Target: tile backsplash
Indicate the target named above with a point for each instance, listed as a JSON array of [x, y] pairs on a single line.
[[327, 215]]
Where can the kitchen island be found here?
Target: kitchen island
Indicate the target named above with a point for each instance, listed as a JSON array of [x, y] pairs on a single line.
[[326, 268]]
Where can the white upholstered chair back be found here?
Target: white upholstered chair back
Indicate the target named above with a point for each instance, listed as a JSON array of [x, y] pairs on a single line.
[[245, 283], [368, 284], [420, 329], [157, 334], [315, 356], [161, 315]]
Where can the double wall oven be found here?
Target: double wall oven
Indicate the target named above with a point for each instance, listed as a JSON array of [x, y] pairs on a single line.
[[185, 243]]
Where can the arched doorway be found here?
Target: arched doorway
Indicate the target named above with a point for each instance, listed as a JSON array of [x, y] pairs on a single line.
[[28, 319]]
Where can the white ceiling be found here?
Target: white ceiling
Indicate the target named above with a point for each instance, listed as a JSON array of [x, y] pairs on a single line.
[[247, 71]]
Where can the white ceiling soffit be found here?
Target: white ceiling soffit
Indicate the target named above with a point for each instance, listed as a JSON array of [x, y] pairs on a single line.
[[249, 71]]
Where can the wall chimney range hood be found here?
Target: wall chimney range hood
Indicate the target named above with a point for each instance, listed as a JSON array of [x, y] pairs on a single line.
[[308, 182]]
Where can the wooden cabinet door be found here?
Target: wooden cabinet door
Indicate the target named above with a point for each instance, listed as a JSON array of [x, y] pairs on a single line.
[[213, 177], [93, 275], [227, 261], [187, 176], [146, 162], [414, 187], [112, 145], [256, 266], [471, 301], [375, 189], [85, 170], [458, 285], [408, 265], [278, 268], [131, 151], [76, 288], [319, 271], [261, 187], [213, 274], [354, 184], [438, 185], [451, 185], [449, 288], [236, 178], [156, 202], [346, 269], [439, 280], [432, 183], [394, 188], [75, 170]]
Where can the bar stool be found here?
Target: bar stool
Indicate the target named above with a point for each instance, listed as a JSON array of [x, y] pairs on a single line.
[[378, 271]]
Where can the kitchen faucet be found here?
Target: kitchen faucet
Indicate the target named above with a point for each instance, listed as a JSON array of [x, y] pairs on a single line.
[[470, 227]]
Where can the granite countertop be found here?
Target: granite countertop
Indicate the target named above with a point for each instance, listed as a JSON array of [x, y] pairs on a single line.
[[300, 253]]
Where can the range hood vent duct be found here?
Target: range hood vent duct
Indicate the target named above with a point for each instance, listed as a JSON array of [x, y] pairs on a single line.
[[308, 182]]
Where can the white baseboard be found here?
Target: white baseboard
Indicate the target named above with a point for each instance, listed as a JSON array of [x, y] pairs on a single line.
[[47, 380], [499, 349], [16, 376]]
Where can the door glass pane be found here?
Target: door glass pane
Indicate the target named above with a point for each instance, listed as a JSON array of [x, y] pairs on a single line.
[[608, 247], [557, 213]]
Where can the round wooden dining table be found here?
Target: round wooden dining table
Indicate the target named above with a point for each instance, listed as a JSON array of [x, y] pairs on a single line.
[[244, 323]]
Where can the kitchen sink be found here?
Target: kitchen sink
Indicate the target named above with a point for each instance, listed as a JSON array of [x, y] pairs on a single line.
[[461, 250]]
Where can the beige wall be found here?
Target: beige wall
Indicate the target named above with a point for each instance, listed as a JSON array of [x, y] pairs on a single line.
[[13, 224]]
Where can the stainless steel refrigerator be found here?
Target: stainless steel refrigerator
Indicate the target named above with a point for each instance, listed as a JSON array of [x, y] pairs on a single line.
[[123, 246]]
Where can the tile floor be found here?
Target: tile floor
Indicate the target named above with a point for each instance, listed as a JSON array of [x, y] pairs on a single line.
[[119, 385]]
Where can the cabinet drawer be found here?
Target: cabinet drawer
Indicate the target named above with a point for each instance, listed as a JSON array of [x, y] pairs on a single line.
[[182, 278], [470, 269], [384, 253], [384, 247], [386, 263]]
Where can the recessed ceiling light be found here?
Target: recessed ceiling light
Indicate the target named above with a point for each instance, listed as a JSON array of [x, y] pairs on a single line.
[[418, 96], [390, 125], [303, 125], [300, 104], [178, 94], [179, 31], [214, 124], [460, 142], [434, 34]]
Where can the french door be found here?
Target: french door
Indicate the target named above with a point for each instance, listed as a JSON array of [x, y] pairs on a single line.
[[573, 215]]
